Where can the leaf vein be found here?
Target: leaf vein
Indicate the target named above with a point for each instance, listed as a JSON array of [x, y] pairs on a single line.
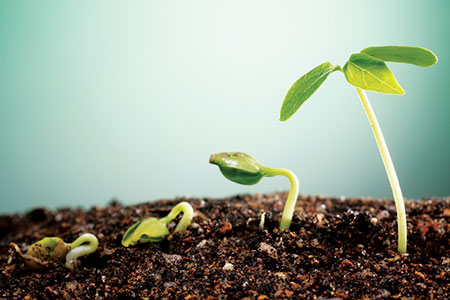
[[317, 79], [376, 78]]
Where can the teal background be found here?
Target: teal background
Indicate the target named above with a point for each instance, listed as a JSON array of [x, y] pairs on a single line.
[[127, 99]]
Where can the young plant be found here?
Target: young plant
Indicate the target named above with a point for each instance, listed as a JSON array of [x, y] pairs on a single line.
[[54, 249], [155, 230], [85, 244], [244, 169], [366, 71]]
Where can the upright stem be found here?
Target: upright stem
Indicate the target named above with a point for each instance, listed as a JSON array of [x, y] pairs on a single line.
[[390, 170], [289, 207]]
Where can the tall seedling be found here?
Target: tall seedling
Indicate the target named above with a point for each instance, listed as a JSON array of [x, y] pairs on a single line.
[[366, 71]]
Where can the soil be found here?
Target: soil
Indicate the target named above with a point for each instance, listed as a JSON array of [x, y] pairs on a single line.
[[335, 249]]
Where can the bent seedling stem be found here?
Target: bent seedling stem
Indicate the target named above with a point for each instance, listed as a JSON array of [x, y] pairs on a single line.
[[244, 169], [291, 200]]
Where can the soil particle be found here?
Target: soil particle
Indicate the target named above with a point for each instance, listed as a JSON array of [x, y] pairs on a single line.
[[336, 248]]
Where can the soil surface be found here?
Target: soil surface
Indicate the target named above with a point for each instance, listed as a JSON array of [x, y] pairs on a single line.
[[336, 249]]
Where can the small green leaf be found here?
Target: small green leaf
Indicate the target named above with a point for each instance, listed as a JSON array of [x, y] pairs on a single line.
[[303, 88], [411, 55], [238, 167], [371, 74], [144, 231]]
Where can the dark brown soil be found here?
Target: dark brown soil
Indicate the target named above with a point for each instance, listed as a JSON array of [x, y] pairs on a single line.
[[335, 249]]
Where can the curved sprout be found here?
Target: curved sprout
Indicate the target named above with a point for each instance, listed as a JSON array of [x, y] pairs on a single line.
[[244, 169], [188, 214], [155, 230], [54, 249], [78, 248], [291, 200]]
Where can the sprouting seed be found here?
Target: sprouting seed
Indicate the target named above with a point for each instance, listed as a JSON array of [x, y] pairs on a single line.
[[51, 249], [155, 230], [83, 245], [54, 249], [244, 169]]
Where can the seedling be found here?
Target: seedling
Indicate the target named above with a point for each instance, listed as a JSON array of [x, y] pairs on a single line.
[[366, 71], [155, 230], [54, 249], [244, 169], [84, 245]]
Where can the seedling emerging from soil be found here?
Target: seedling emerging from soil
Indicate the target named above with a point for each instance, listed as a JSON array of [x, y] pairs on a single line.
[[155, 230], [84, 245], [244, 169], [366, 71], [54, 249]]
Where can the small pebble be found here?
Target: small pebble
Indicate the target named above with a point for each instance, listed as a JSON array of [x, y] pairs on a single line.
[[281, 275], [383, 214], [228, 267], [201, 244], [225, 227], [320, 217], [169, 284], [268, 249]]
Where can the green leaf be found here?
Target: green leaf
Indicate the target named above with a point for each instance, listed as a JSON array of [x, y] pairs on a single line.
[[303, 88], [238, 167], [411, 55], [144, 231], [371, 74]]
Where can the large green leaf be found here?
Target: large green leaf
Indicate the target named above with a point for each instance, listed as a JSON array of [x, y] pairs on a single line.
[[411, 55], [371, 74], [303, 88]]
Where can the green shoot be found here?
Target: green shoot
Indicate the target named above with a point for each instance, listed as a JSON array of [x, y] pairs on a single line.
[[85, 244], [366, 71], [244, 169], [54, 249], [155, 230]]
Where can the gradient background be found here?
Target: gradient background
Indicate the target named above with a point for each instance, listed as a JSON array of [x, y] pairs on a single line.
[[103, 99]]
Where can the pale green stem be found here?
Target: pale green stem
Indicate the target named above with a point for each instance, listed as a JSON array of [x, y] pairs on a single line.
[[78, 249], [188, 214], [291, 200], [390, 170]]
